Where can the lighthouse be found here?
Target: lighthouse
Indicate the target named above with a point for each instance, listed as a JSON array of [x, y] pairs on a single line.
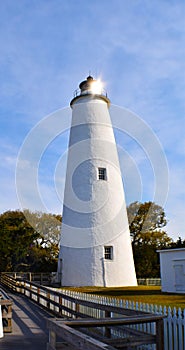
[[95, 245]]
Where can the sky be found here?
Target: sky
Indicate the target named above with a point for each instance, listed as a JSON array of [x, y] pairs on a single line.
[[137, 48]]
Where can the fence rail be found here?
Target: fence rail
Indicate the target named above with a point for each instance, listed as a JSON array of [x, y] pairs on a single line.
[[149, 281], [6, 306], [76, 304], [38, 277], [48, 278], [143, 327], [174, 321], [115, 332]]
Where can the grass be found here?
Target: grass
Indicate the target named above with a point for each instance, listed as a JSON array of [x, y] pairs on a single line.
[[144, 294]]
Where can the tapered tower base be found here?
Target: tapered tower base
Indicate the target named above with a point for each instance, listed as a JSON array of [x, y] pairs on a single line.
[[95, 247]]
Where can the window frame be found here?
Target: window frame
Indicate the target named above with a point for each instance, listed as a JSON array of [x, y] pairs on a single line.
[[108, 255], [102, 173]]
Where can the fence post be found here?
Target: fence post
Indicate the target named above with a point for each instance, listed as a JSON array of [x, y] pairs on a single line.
[[1, 324], [30, 291], [24, 287], [60, 304], [52, 339], [38, 295], [160, 335], [30, 276], [107, 329], [48, 301], [77, 309]]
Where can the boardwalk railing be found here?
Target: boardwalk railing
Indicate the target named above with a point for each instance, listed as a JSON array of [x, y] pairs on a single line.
[[174, 321], [142, 327], [6, 306], [48, 278], [75, 304], [109, 333], [38, 277]]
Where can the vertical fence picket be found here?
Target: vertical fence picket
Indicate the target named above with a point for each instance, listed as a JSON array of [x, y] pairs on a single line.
[[183, 328], [174, 323], [170, 329], [174, 327], [165, 322], [179, 329], [148, 325]]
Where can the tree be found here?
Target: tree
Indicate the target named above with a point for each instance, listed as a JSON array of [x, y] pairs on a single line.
[[178, 244], [43, 256], [16, 236], [143, 218], [48, 226], [146, 223], [29, 241]]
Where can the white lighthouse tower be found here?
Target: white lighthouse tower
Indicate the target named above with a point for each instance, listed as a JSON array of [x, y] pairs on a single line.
[[95, 247]]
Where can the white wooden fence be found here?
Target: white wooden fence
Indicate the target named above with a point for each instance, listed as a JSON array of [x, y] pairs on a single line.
[[174, 323], [149, 281]]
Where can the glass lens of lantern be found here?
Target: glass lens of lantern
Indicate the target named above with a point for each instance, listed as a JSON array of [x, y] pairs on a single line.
[[96, 87]]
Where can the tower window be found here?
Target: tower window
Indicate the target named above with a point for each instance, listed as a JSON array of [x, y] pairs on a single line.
[[102, 174], [108, 253]]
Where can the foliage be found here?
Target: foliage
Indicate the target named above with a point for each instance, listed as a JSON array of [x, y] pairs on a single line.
[[145, 218], [29, 241], [178, 244], [16, 237], [41, 259], [46, 225], [146, 221]]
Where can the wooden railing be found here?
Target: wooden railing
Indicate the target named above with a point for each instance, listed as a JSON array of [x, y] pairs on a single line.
[[112, 333], [6, 306], [139, 327], [48, 278], [149, 281], [38, 277]]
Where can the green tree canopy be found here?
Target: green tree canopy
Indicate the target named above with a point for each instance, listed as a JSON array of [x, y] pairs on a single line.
[[146, 223], [29, 241], [16, 237], [144, 219]]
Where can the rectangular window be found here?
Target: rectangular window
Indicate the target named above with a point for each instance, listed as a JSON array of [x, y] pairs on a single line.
[[102, 174], [108, 253]]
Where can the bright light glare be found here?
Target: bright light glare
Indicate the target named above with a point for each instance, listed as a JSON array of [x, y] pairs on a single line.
[[96, 86]]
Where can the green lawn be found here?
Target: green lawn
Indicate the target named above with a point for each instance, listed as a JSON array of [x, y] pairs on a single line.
[[144, 294]]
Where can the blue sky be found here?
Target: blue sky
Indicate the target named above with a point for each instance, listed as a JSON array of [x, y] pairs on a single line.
[[137, 47]]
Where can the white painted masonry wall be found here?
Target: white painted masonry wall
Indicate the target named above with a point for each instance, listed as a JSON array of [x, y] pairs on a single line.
[[172, 265], [94, 211]]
